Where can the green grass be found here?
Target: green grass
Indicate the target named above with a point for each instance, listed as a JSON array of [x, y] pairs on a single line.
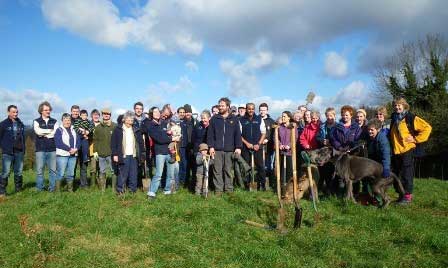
[[91, 229]]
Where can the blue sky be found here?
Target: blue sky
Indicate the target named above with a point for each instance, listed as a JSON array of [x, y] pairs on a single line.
[[99, 53]]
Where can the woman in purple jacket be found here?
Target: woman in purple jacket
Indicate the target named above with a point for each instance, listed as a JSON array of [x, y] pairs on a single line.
[[284, 135], [346, 133]]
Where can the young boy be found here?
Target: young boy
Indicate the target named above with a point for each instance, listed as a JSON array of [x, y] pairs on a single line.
[[84, 127], [203, 162]]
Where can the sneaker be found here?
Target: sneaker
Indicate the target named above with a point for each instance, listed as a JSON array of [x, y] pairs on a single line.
[[406, 200], [166, 192]]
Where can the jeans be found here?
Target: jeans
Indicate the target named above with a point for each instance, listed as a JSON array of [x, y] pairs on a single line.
[[184, 165], [17, 160], [105, 163], [48, 159], [161, 160], [65, 168], [128, 173], [84, 150]]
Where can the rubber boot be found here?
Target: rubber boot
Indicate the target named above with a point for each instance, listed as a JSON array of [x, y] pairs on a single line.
[[18, 183], [114, 182], [57, 187], [92, 180], [70, 186], [102, 182]]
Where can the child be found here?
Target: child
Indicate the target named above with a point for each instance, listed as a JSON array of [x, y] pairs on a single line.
[[84, 127], [203, 163], [174, 130]]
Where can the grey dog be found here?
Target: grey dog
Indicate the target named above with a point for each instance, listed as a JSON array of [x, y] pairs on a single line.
[[354, 168]]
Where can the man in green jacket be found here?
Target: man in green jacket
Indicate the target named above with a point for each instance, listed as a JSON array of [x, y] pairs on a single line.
[[101, 146]]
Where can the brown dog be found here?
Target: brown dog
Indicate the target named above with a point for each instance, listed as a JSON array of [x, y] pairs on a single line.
[[302, 189]]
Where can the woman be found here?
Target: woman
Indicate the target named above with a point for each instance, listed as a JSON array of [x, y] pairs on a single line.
[[361, 119], [381, 114], [345, 136], [158, 132], [346, 133], [128, 152], [67, 143], [407, 131], [308, 138], [326, 171], [284, 134]]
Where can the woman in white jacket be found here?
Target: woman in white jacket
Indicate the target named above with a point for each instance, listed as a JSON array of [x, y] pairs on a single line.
[[67, 144]]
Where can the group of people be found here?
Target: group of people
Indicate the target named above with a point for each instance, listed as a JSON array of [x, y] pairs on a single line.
[[209, 146]]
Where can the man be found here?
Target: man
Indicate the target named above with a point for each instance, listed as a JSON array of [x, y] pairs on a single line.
[[233, 110], [186, 147], [142, 122], [12, 142], [181, 113], [45, 128], [101, 141], [241, 111], [253, 132], [223, 139], [268, 143], [74, 114], [95, 121]]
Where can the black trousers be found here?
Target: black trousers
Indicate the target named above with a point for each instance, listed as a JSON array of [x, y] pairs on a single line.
[[403, 166], [259, 165]]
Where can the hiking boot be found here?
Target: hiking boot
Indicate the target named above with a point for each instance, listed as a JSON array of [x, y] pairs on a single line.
[[18, 184]]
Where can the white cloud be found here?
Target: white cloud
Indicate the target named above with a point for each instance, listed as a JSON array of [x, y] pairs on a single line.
[[335, 65], [184, 84], [186, 26], [242, 79], [191, 66]]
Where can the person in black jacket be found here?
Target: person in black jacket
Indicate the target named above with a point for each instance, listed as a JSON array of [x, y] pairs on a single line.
[[223, 139], [127, 151], [268, 143], [158, 132], [12, 140], [142, 122]]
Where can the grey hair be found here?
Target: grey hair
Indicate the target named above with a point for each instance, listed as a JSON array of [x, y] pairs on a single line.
[[65, 116], [207, 113], [128, 114]]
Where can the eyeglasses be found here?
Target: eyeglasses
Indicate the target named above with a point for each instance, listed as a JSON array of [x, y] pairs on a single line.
[[106, 113]]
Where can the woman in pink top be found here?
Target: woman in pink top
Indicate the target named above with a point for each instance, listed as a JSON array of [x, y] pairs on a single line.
[[308, 138]]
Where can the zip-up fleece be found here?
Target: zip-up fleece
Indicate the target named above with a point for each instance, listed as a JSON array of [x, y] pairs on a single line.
[[224, 134]]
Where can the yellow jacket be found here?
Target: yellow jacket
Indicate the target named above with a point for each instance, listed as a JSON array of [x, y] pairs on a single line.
[[399, 133]]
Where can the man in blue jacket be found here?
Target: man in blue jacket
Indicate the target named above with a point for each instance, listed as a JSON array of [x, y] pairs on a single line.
[[12, 140], [223, 139]]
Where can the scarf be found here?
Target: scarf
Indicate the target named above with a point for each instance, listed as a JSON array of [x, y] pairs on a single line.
[[397, 117]]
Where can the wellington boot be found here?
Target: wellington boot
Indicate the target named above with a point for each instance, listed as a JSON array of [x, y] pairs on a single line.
[[102, 182], [57, 187], [114, 182], [70, 186], [93, 180]]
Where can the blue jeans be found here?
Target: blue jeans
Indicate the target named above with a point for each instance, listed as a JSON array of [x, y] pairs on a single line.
[[65, 166], [161, 160], [105, 164], [84, 150], [128, 173], [17, 160], [183, 165], [48, 159]]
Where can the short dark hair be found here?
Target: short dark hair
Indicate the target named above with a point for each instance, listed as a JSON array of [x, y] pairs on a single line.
[[225, 100], [249, 104], [264, 104], [138, 103], [11, 106], [95, 111], [41, 106], [180, 108], [213, 107], [74, 107], [84, 112]]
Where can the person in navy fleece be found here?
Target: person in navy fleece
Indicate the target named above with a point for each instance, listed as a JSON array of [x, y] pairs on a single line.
[[67, 143], [223, 139]]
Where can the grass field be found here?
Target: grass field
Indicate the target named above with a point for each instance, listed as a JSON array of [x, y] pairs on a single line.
[[91, 229]]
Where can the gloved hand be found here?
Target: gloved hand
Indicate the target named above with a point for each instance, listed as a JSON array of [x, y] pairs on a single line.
[[386, 173], [95, 156]]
